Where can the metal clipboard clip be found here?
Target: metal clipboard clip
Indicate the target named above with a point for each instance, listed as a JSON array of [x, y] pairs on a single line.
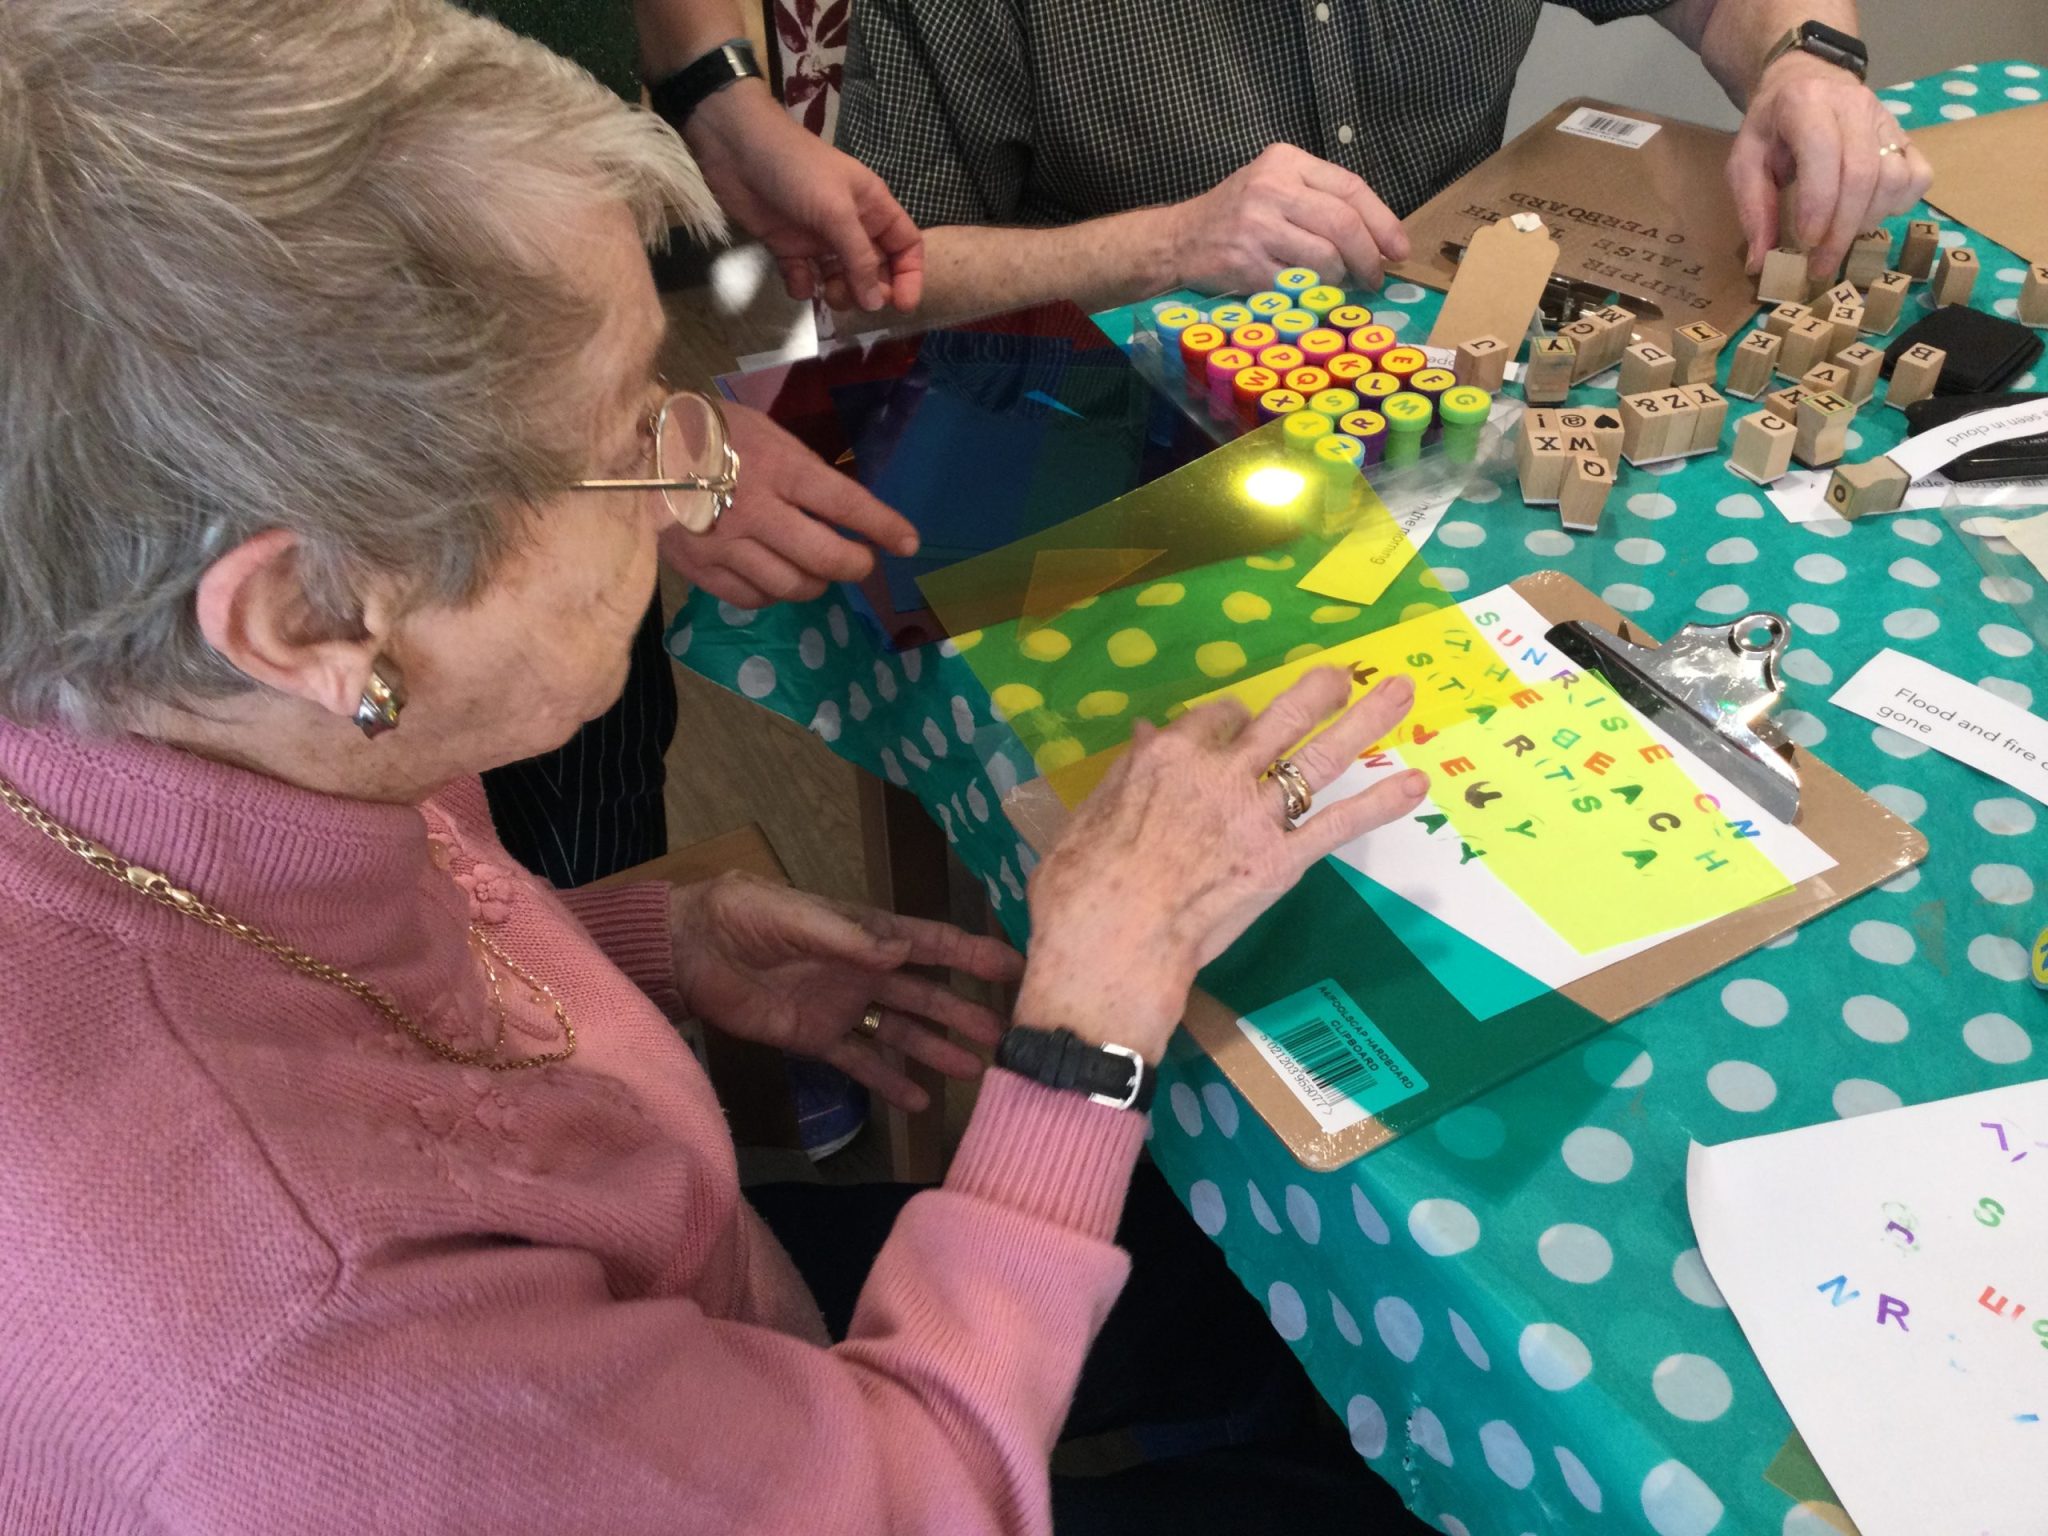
[[1712, 688]]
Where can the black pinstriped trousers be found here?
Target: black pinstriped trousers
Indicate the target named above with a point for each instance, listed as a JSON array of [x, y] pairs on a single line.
[[593, 806]]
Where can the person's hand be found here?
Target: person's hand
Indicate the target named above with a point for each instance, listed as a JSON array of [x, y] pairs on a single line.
[[829, 221], [1815, 128], [776, 542], [779, 966], [1285, 209], [1183, 845]]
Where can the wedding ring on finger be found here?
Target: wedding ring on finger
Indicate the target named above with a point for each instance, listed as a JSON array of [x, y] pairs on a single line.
[[1294, 785], [870, 1025], [1890, 149]]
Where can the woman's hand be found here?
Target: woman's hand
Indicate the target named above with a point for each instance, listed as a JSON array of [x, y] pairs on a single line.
[[1183, 845], [788, 969], [786, 534]]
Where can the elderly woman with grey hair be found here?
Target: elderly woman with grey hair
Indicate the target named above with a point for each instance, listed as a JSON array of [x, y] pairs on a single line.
[[349, 1179]]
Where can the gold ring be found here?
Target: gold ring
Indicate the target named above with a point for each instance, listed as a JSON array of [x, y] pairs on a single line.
[[870, 1024], [1890, 149], [1294, 785]]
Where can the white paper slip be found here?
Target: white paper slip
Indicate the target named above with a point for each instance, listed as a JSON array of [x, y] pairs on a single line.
[[1957, 719], [1891, 1274], [1609, 128], [1801, 494], [2027, 535]]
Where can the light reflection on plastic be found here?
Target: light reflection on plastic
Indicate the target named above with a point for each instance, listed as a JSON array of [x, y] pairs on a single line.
[[1273, 486]]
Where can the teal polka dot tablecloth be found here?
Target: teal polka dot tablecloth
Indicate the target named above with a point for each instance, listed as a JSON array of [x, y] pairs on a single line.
[[1507, 1307]]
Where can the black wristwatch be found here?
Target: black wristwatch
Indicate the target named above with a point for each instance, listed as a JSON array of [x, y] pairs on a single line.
[[678, 95], [1823, 42], [1113, 1075]]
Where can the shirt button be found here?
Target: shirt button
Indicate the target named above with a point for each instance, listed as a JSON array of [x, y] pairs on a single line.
[[1322, 11], [1344, 134]]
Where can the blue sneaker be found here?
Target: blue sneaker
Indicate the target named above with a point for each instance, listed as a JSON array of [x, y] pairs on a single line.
[[831, 1107]]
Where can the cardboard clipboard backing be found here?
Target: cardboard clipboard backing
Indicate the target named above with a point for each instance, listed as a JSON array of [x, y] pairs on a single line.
[[1868, 843], [1655, 224]]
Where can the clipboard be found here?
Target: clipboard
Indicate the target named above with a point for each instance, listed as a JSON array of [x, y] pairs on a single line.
[[1646, 217], [1868, 843]]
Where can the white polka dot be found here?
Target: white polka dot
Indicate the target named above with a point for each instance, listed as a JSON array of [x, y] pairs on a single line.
[[885, 681], [1898, 108], [1955, 111], [1628, 597], [2004, 640], [1426, 1434], [1892, 744], [917, 759], [1205, 1204], [1575, 1253], [1742, 1086], [1480, 492], [1002, 775], [2013, 275], [1548, 541], [2006, 885], [1402, 293], [2023, 71], [1187, 1108], [1823, 570], [963, 719], [1505, 1453], [1814, 619], [1951, 238], [1663, 467], [1731, 552], [1855, 1096], [1997, 1039], [810, 649], [1450, 578], [1756, 1003], [757, 677], [934, 738], [1689, 1274], [1907, 804], [1398, 1327], [2009, 590], [2007, 306], [913, 664], [1827, 526], [1579, 1480], [2000, 958], [1874, 1019], [1881, 943], [1901, 883], [1692, 1387], [2008, 690], [1636, 1073], [1639, 551], [1598, 1155], [1741, 504], [1370, 1222], [1461, 535], [1262, 1213], [1346, 1324], [1442, 1228], [1652, 505], [1959, 87], [1784, 940], [1222, 1105], [2004, 818], [1554, 1358], [1914, 573], [1677, 1503], [2022, 93], [679, 640], [1453, 1526], [1290, 1317], [1368, 1426], [826, 721], [736, 618], [1911, 623], [857, 704], [977, 802], [1804, 666], [1724, 599], [1468, 1341], [1395, 320], [1815, 1517], [902, 781], [1805, 730], [1915, 530], [1304, 1215]]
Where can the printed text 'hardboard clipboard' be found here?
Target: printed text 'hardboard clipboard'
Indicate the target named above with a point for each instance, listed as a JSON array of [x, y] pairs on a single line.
[[1654, 222], [1868, 843]]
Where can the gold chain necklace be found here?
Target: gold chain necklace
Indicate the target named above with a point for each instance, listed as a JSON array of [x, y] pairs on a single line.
[[159, 889]]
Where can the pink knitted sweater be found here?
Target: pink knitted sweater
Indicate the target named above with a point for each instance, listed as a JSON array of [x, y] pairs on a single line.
[[268, 1266]]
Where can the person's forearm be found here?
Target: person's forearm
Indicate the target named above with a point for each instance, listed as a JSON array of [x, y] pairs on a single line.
[[674, 32], [1733, 37], [976, 269]]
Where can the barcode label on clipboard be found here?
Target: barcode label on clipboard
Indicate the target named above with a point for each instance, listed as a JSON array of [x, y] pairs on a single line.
[[1609, 128], [1331, 1057]]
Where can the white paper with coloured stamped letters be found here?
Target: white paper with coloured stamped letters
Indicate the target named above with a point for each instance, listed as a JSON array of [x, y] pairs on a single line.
[[1957, 719], [1891, 1274]]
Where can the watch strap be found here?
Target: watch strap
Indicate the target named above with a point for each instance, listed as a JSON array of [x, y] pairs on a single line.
[[1825, 43], [675, 97], [1111, 1075]]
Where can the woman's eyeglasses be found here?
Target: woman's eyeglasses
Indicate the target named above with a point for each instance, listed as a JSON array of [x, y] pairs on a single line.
[[696, 468]]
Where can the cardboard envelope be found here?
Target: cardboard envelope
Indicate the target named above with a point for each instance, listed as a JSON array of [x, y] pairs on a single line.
[[1638, 204]]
